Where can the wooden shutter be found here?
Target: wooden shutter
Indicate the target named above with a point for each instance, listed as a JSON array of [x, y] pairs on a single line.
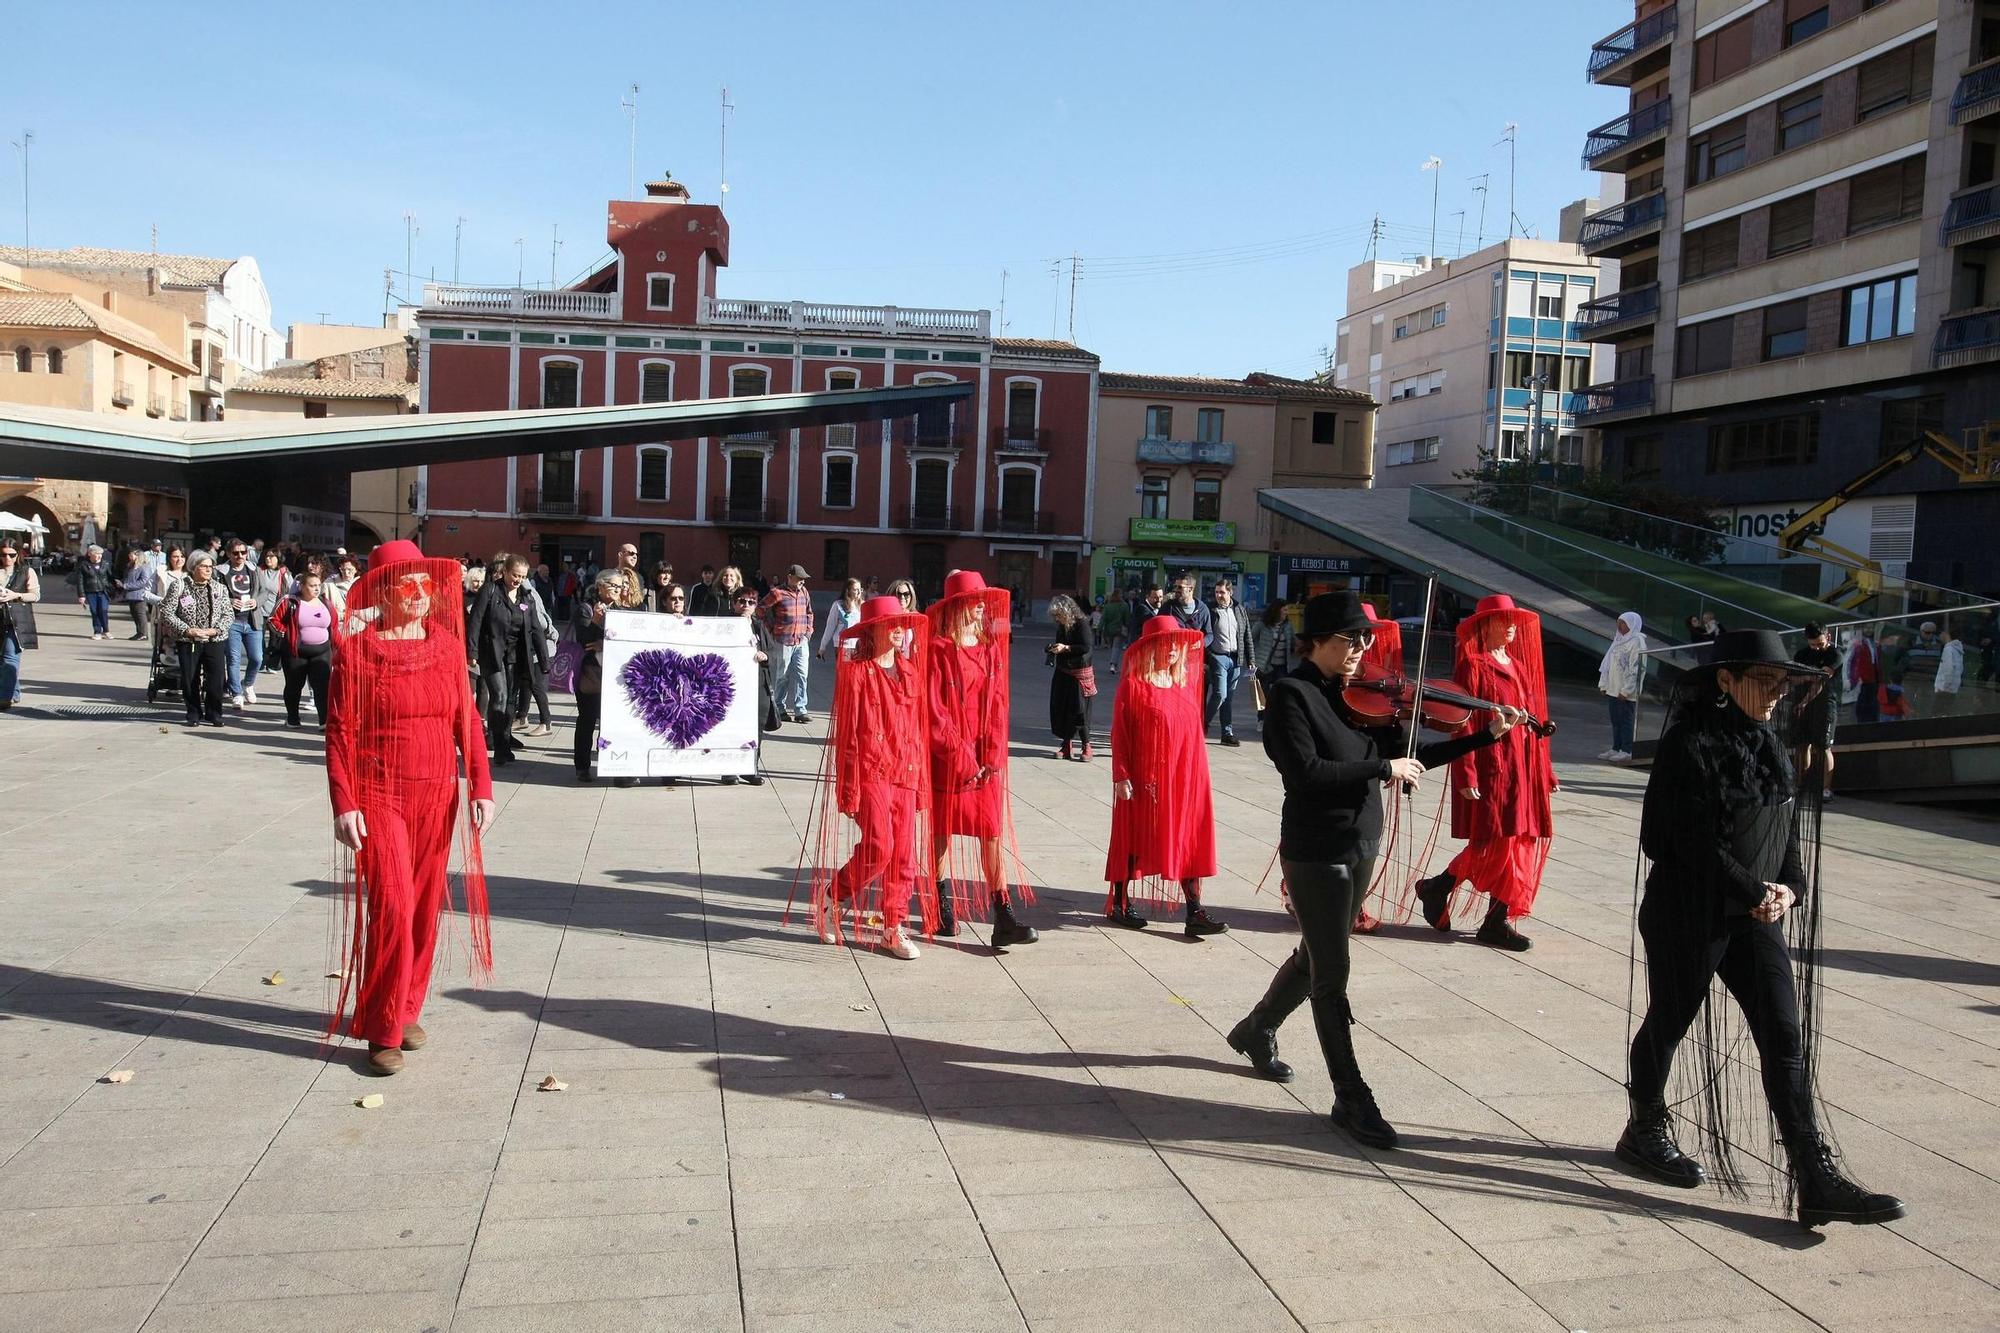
[[1791, 224]]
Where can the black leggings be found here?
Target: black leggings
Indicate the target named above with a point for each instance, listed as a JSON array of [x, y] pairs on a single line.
[[1324, 896], [589, 707], [1756, 966], [311, 664]]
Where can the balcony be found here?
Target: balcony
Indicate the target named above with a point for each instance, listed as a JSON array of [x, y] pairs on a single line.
[[121, 395], [1634, 51], [918, 435], [1978, 92], [1623, 398], [1022, 522], [1972, 215], [1635, 137], [1619, 315], [818, 317], [1624, 229], [178, 412], [1022, 440], [1208, 453], [156, 405], [450, 298], [743, 510], [567, 503], [927, 517], [1967, 339]]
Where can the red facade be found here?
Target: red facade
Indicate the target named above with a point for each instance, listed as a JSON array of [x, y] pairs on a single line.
[[1002, 487]]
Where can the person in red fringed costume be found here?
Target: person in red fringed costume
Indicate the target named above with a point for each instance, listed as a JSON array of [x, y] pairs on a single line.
[[1500, 794], [1162, 816], [401, 724], [879, 753], [1386, 653], [969, 689]]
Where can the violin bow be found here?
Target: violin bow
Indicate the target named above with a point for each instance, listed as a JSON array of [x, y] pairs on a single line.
[[1423, 657]]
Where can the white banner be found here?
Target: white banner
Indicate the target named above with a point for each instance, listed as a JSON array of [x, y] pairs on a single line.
[[312, 529], [681, 696]]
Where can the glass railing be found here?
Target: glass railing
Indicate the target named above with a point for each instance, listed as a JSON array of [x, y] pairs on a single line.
[[1814, 586]]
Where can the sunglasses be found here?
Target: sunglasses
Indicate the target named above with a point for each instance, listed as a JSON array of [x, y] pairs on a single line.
[[677, 597], [9, 554], [628, 551], [1364, 640], [741, 601], [414, 585]]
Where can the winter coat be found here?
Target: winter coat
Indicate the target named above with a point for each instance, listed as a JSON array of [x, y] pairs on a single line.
[[1951, 668]]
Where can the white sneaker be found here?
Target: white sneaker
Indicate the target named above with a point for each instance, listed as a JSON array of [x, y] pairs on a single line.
[[1620, 756], [898, 945], [249, 694], [1607, 754], [235, 701], [825, 915]]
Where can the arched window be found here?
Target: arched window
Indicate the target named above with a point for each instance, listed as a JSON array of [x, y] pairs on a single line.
[[24, 359], [655, 472], [562, 382], [656, 381], [55, 361]]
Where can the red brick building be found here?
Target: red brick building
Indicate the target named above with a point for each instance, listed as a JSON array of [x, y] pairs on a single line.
[[1002, 485]]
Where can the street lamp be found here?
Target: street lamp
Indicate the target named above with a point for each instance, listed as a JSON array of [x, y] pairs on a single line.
[[1539, 383]]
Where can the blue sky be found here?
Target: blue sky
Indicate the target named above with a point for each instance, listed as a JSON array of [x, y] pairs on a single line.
[[1215, 166]]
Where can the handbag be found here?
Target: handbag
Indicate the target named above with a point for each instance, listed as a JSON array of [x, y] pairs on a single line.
[[563, 667], [1257, 693]]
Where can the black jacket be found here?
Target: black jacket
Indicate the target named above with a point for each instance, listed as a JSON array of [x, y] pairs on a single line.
[[495, 636], [1333, 770]]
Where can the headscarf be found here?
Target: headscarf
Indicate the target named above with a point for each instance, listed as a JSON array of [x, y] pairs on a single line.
[[1630, 641]]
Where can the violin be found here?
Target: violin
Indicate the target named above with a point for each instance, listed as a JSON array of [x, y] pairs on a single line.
[[1376, 697]]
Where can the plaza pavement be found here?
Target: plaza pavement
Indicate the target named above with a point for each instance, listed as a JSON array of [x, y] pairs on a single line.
[[764, 1132]]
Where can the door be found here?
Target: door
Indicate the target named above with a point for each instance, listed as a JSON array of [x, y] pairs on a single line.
[[1017, 576], [746, 488], [746, 552], [931, 504], [927, 570], [1017, 500]]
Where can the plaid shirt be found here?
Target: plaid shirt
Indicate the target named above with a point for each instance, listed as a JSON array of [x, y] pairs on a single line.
[[790, 615]]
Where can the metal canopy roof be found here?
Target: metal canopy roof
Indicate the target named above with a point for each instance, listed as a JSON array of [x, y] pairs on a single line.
[[95, 446]]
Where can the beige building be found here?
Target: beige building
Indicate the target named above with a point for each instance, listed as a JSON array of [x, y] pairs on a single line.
[[115, 355], [1470, 356], [1810, 239], [1180, 461], [345, 371]]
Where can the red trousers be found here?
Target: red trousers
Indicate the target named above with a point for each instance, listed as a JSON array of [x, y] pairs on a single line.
[[1509, 869], [402, 863], [887, 850]]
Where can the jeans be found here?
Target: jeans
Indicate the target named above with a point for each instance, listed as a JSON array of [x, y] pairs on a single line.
[[793, 659], [1624, 712], [1324, 897], [10, 668], [246, 646], [100, 611], [1223, 675]]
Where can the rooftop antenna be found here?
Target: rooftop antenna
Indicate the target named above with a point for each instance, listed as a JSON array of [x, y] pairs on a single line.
[[457, 238], [1460, 250], [1072, 295], [1055, 294], [388, 289], [1435, 165], [323, 314], [1479, 186], [555, 246], [156, 238], [631, 106], [727, 107], [410, 230], [517, 260], [23, 143], [1003, 302], [1507, 136], [1374, 238]]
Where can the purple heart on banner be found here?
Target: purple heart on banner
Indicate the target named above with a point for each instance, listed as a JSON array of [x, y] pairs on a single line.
[[679, 696]]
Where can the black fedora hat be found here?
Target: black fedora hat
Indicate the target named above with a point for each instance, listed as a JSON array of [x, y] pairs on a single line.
[[1739, 649], [1334, 613]]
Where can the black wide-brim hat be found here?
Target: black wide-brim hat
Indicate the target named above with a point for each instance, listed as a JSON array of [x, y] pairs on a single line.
[[1740, 649], [1334, 613]]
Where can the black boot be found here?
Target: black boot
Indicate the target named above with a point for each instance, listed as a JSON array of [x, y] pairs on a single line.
[[1261, 1045], [1007, 929], [1354, 1111], [1827, 1196], [1648, 1146], [947, 917], [1200, 923], [1434, 900], [1496, 931], [1120, 912]]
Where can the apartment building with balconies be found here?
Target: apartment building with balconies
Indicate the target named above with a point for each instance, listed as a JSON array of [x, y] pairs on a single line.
[[1808, 243], [1471, 357], [1000, 483], [1182, 459]]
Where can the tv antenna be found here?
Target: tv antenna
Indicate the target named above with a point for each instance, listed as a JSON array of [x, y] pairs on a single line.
[[25, 142], [631, 108], [727, 107], [410, 230], [457, 239], [1479, 187], [555, 247], [1435, 165], [1508, 135]]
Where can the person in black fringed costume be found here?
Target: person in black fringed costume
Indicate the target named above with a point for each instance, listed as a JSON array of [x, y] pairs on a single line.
[[1722, 828]]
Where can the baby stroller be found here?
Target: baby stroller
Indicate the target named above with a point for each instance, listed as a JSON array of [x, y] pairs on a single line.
[[163, 664]]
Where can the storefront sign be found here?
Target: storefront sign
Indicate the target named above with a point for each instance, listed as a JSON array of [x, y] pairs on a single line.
[[312, 529], [1182, 532]]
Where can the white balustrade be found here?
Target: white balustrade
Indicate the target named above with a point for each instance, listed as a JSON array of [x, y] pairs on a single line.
[[821, 317], [520, 301]]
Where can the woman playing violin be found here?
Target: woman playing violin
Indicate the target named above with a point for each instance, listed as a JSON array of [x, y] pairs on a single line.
[[1333, 764]]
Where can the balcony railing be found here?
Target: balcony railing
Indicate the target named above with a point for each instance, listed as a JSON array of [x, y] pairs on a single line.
[[1619, 308], [1967, 339], [1210, 453], [519, 301], [1022, 440], [819, 317], [1627, 132], [178, 412], [1629, 41], [1623, 223], [918, 435], [1022, 522], [156, 405], [1978, 92], [121, 394], [748, 510], [1972, 215], [569, 503], [929, 518], [1619, 396]]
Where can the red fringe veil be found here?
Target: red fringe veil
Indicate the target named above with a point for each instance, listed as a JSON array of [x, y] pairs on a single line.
[[1165, 832]]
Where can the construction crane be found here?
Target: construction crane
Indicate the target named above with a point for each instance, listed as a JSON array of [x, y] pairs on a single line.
[[1975, 462]]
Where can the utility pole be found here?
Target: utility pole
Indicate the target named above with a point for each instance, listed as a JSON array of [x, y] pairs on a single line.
[[631, 105], [1374, 238], [388, 289], [409, 250], [1435, 165], [555, 245], [23, 143], [727, 107], [1072, 296], [1479, 186], [457, 239]]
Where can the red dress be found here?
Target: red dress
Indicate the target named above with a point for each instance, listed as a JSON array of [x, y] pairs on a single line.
[[968, 688], [1508, 829], [1165, 831]]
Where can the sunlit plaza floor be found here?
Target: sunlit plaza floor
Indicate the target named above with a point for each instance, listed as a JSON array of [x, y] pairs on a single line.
[[762, 1131]]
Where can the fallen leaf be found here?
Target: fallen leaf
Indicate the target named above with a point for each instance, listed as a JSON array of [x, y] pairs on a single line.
[[117, 1076], [1178, 999], [337, 976], [551, 1084], [370, 1102], [858, 1008], [163, 731], [275, 979]]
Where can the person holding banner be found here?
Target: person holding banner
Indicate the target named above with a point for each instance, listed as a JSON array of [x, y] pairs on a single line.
[[971, 633]]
